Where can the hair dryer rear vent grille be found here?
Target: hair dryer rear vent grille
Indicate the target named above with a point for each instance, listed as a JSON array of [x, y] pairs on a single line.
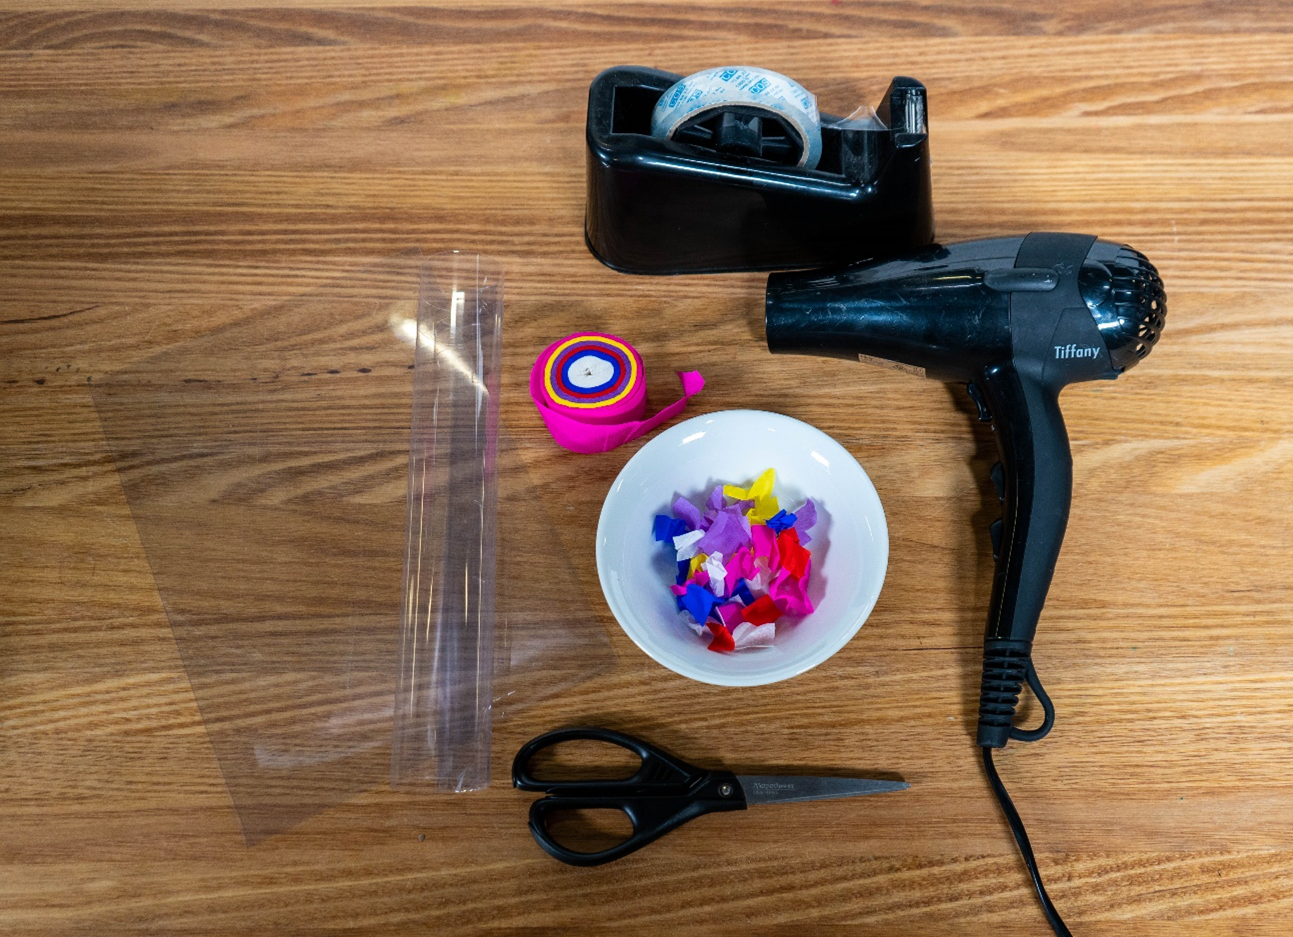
[[1139, 299], [1125, 295]]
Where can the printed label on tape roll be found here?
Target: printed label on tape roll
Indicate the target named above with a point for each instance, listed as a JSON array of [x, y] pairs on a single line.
[[716, 88]]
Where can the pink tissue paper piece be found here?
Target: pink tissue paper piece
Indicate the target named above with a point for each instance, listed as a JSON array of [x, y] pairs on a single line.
[[740, 566], [730, 612], [791, 594], [765, 545]]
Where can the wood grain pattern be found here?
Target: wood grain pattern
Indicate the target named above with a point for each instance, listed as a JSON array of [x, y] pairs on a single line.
[[168, 169]]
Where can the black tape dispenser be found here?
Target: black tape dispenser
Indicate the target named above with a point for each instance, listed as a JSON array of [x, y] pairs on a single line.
[[734, 169]]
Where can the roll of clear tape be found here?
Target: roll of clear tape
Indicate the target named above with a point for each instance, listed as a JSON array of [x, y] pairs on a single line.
[[716, 88]]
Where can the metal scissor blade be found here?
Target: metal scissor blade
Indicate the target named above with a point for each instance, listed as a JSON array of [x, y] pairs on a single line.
[[773, 789]]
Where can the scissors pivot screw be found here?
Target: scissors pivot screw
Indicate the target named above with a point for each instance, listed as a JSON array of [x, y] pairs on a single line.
[[725, 790]]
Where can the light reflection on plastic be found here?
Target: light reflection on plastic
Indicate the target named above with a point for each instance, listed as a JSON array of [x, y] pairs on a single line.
[[820, 458], [457, 299], [693, 437], [409, 330]]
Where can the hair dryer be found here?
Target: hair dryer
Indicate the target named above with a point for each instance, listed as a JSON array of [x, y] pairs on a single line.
[[1016, 319]]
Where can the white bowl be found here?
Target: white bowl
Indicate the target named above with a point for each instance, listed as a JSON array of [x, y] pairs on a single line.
[[850, 544]]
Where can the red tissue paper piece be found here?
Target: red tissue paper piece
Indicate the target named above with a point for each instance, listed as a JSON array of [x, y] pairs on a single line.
[[722, 638], [762, 611], [794, 558]]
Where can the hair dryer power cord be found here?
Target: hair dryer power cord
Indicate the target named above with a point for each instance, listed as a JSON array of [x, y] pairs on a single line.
[[1008, 807]]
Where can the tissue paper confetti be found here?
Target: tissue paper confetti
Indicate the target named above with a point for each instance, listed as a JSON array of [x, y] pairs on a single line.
[[742, 563]]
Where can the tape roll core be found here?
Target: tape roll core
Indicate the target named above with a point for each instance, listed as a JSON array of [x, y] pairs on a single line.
[[751, 88]]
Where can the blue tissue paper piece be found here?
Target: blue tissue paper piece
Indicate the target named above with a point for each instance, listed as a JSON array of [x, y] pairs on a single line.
[[780, 521], [743, 592], [665, 528], [698, 602], [684, 567]]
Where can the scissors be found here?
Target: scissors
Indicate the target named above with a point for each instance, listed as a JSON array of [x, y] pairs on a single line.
[[664, 794]]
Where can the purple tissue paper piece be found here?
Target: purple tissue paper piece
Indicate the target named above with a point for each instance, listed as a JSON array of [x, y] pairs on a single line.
[[716, 500], [736, 510], [725, 536], [738, 513], [689, 514], [805, 517]]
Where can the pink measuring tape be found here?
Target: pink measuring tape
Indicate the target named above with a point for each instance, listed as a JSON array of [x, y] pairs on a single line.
[[591, 392]]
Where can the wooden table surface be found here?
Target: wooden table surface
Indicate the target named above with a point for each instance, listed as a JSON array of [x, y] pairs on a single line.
[[167, 172]]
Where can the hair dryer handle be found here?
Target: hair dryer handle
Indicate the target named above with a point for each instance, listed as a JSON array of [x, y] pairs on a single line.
[[1038, 484]]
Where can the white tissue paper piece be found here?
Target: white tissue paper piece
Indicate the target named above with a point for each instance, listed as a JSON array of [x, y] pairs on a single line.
[[685, 544], [748, 635], [701, 630], [717, 572]]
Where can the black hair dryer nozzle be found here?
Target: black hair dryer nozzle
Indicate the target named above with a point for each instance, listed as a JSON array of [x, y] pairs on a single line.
[[1016, 320]]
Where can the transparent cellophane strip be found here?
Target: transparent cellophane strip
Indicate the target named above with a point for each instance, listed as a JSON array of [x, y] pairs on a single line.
[[266, 465]]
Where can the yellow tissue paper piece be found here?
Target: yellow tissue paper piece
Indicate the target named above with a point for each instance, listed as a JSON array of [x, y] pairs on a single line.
[[697, 562], [760, 493], [761, 488]]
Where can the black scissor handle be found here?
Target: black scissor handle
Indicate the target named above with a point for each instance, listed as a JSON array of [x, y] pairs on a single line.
[[651, 817], [660, 772], [665, 793]]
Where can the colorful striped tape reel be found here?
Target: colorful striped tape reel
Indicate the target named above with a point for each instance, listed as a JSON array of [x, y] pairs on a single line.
[[590, 390]]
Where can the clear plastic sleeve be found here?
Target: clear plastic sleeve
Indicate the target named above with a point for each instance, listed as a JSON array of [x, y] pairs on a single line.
[[266, 465], [445, 693]]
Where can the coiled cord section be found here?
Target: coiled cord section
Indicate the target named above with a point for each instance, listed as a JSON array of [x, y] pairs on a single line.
[[1005, 668]]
